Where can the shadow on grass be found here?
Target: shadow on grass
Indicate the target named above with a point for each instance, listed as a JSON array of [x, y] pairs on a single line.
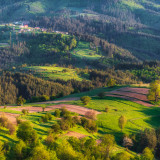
[[8, 138]]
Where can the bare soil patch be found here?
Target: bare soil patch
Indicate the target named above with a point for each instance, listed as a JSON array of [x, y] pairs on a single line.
[[138, 95], [75, 134], [59, 101], [72, 108], [11, 117], [31, 109], [131, 99], [135, 90], [132, 95]]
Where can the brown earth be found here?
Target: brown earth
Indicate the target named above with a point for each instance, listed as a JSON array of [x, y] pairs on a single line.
[[135, 90], [72, 108], [138, 95], [31, 109], [11, 117], [59, 101], [132, 95], [75, 134]]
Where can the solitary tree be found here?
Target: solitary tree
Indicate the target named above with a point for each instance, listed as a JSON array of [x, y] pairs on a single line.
[[107, 109], [127, 142], [154, 92], [108, 142], [85, 100], [92, 114], [122, 122], [20, 101]]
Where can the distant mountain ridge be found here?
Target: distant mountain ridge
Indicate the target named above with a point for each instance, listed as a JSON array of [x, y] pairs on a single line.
[[145, 11]]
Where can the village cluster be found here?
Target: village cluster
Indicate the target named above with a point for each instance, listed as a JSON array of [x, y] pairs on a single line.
[[23, 26]]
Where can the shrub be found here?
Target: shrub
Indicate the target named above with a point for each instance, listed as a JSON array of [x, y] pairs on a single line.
[[43, 108], [85, 100], [47, 117], [122, 156], [3, 120], [18, 120], [111, 83], [11, 128], [127, 142], [101, 95], [65, 70], [44, 98], [53, 97], [20, 101], [89, 125], [64, 124], [76, 120], [91, 115], [19, 150], [57, 113], [27, 133], [107, 109], [25, 111], [64, 112], [56, 128], [147, 154], [50, 141], [39, 153], [35, 99], [66, 152]]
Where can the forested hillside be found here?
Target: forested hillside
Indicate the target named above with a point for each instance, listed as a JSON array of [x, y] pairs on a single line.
[[130, 24]]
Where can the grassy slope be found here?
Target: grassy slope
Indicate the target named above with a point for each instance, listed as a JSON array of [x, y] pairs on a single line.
[[139, 117], [49, 72], [83, 51]]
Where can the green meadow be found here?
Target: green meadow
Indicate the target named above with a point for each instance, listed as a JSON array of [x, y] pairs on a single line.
[[84, 51], [138, 117], [52, 73]]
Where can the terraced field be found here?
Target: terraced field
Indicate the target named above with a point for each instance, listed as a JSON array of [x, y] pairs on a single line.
[[138, 95]]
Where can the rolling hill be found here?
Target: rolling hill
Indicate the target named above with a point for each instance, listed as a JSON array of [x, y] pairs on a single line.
[[145, 11], [130, 24]]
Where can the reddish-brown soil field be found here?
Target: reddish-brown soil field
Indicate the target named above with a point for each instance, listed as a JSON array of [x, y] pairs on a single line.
[[135, 90], [31, 109], [132, 95], [75, 134], [59, 101], [72, 108], [131, 99], [138, 95]]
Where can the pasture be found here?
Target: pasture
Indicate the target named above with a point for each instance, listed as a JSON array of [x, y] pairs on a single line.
[[53, 73], [83, 51], [138, 116]]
